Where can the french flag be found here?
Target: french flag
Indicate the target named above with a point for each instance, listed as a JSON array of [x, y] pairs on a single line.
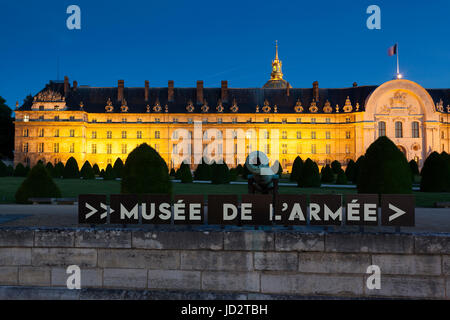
[[392, 50]]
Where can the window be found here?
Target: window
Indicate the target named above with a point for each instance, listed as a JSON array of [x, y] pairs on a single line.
[[72, 148], [347, 120], [56, 147], [108, 148], [328, 149], [139, 135], [72, 133], [442, 135], [234, 120], [175, 120], [190, 120], [175, 148], [347, 148], [219, 120], [94, 120], [139, 120], [108, 134], [57, 133], [156, 147], [157, 120], [108, 120], [25, 147], [267, 148], [313, 135], [41, 108], [56, 118], [25, 132], [284, 148], [41, 147], [348, 135], [124, 119], [157, 134], [398, 129], [415, 129], [124, 148], [313, 120], [72, 118], [328, 135], [299, 134], [266, 120], [266, 134], [41, 132], [299, 120], [381, 129], [284, 135], [94, 149], [313, 148], [327, 120], [26, 118], [124, 134], [284, 121], [94, 134]]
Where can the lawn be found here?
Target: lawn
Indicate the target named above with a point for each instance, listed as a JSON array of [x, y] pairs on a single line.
[[71, 188]]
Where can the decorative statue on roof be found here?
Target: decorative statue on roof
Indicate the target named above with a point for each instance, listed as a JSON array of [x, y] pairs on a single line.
[[190, 106], [219, 107], [124, 106], [266, 108], [157, 106], [234, 107], [313, 107], [205, 106], [109, 106], [327, 107], [348, 105], [298, 106]]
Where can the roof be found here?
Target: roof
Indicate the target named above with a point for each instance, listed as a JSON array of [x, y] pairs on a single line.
[[95, 98]]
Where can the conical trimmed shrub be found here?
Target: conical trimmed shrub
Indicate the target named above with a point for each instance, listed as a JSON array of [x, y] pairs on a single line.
[[20, 170], [96, 169], [336, 166], [350, 171], [341, 178], [71, 170], [118, 168], [296, 169], [358, 166], [446, 159], [38, 184], [384, 169], [59, 170], [86, 171], [433, 174], [185, 173], [50, 169], [310, 177], [145, 171], [220, 173], [327, 175], [3, 169], [110, 174]]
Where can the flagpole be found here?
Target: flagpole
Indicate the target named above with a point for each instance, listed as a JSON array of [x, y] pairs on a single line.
[[398, 67]]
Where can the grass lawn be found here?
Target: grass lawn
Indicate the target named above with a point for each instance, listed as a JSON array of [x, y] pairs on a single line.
[[71, 188]]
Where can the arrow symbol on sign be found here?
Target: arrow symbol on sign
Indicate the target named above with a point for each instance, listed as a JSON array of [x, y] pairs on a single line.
[[398, 212], [104, 214], [93, 210]]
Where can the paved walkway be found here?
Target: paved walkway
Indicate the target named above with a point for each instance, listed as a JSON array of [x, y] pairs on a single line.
[[427, 219]]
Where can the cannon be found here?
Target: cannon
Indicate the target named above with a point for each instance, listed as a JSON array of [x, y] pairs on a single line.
[[262, 178]]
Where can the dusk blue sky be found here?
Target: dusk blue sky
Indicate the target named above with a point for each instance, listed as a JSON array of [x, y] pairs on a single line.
[[186, 41]]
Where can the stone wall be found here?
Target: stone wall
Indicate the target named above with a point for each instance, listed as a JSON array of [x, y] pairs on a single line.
[[248, 263]]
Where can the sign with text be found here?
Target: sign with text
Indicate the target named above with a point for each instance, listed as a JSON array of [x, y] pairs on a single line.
[[253, 209]]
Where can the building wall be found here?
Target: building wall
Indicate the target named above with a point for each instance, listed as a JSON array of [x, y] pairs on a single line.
[[338, 136]]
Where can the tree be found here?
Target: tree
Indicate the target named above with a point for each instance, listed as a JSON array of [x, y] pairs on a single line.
[[203, 171], [96, 169], [185, 173], [350, 171], [433, 174], [20, 170], [71, 170], [145, 172], [10, 171], [172, 172], [110, 174], [336, 166], [327, 175], [86, 171], [296, 169], [38, 184], [446, 159], [6, 130], [233, 174], [59, 170], [341, 178], [118, 168], [240, 169], [310, 176], [384, 169], [414, 169], [280, 170]]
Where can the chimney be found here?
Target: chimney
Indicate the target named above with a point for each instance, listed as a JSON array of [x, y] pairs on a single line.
[[170, 91], [355, 84], [288, 87], [120, 85], [199, 91], [66, 85], [146, 90], [75, 85], [224, 90], [316, 90]]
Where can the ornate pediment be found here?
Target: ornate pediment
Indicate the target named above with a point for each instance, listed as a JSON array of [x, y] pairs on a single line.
[[266, 108], [327, 107], [157, 107], [124, 106], [440, 106], [348, 105], [219, 107], [298, 106], [109, 106], [234, 107], [190, 107], [313, 107], [398, 101], [49, 96], [205, 107]]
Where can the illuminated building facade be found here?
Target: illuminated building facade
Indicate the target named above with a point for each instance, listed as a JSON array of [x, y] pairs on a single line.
[[101, 124]]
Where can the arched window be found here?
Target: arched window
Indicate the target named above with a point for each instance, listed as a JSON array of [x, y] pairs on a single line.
[[398, 129], [415, 129], [381, 128]]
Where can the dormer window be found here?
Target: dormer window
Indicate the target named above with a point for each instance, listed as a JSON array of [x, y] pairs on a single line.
[[56, 108], [41, 108]]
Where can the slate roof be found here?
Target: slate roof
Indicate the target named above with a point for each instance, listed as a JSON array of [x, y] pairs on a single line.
[[95, 98]]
